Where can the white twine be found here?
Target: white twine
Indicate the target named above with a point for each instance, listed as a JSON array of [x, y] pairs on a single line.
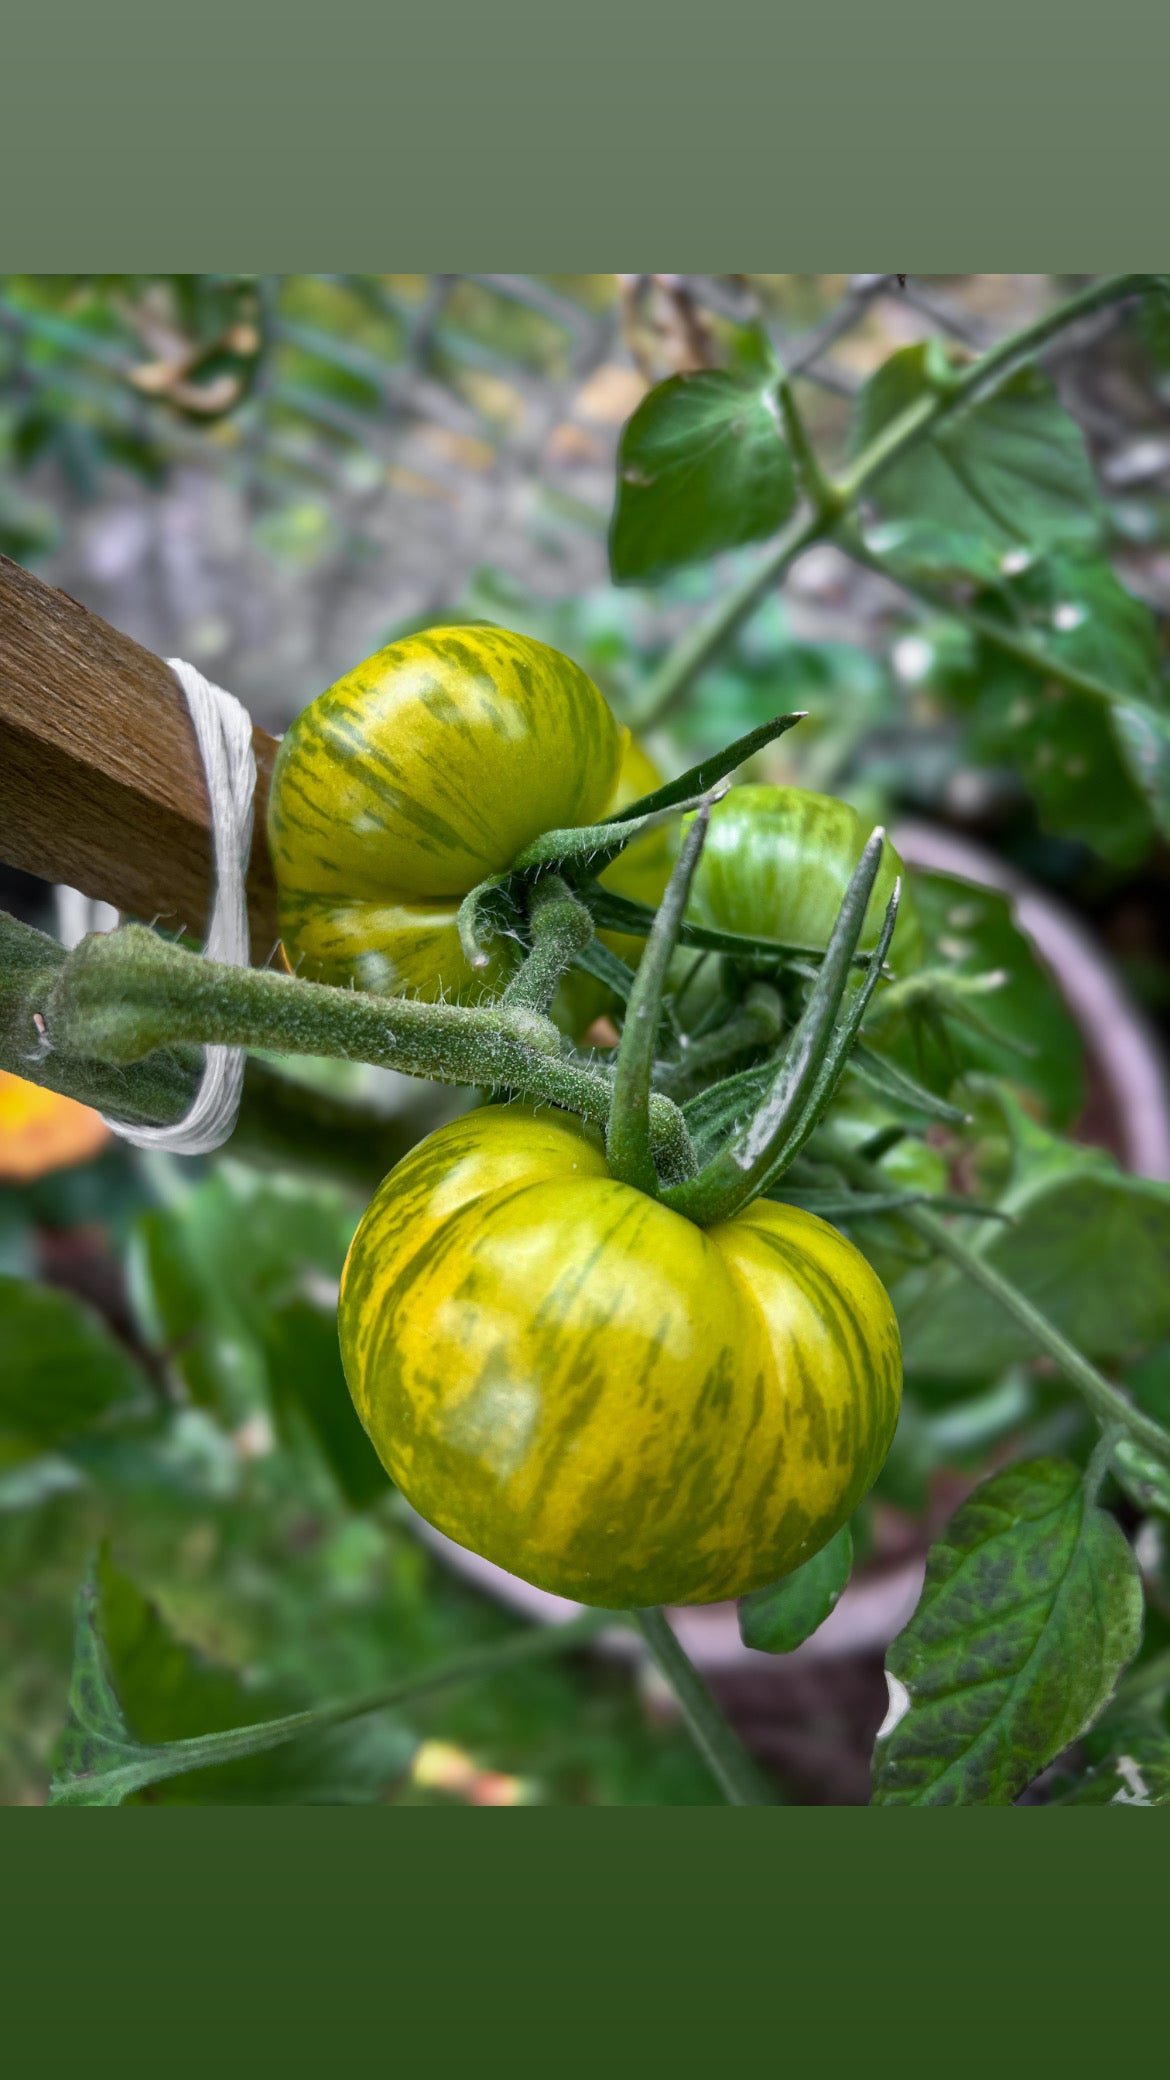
[[223, 731]]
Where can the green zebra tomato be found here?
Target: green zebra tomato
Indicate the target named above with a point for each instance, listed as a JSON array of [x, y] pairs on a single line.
[[419, 774], [776, 865], [570, 1379]]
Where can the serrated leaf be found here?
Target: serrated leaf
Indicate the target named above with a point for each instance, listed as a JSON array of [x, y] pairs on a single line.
[[1032, 1607], [102, 1761], [776, 1619], [1007, 471], [702, 468], [98, 1761]]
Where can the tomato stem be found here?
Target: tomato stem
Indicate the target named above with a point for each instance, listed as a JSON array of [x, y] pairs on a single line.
[[120, 997], [733, 1769], [561, 928]]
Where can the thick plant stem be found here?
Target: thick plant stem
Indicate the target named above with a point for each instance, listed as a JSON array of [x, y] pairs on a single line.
[[696, 649], [821, 494], [737, 1776], [119, 998], [1107, 1402]]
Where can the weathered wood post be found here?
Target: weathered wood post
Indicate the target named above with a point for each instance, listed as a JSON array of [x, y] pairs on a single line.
[[101, 785]]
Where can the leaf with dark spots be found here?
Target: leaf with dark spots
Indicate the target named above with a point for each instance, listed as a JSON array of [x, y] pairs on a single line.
[[1031, 1609]]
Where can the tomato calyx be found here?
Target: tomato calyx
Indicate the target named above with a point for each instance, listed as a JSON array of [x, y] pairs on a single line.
[[584, 851], [803, 1082]]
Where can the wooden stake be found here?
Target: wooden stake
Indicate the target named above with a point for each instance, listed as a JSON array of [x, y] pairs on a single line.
[[101, 784]]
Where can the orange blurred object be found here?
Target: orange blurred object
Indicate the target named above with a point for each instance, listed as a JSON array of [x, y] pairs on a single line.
[[439, 1766], [42, 1131]]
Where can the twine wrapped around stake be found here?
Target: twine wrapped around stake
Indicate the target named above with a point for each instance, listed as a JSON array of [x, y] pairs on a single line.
[[223, 731]]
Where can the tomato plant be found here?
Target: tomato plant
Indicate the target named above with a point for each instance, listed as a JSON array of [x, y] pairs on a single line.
[[734, 1296]]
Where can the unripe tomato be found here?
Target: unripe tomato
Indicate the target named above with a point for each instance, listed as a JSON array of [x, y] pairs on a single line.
[[570, 1379], [420, 773], [776, 865]]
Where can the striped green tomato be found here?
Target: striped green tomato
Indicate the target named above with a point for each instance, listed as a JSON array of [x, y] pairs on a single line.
[[419, 774], [776, 865], [570, 1379]]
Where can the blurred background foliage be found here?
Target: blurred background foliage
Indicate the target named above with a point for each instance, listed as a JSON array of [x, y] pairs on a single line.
[[273, 477]]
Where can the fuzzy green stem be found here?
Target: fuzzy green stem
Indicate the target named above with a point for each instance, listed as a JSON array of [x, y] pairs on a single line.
[[628, 1133], [737, 1776], [704, 641], [119, 998], [561, 928], [1107, 1402]]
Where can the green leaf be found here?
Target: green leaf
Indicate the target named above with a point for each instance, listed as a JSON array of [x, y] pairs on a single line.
[[1098, 761], [102, 1760], [304, 1365], [1088, 1246], [1011, 470], [61, 1373], [972, 930], [892, 1082], [619, 914], [1145, 1479], [99, 1762], [149, 1718], [776, 1619], [209, 1268], [1031, 1609], [702, 467], [1144, 737]]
